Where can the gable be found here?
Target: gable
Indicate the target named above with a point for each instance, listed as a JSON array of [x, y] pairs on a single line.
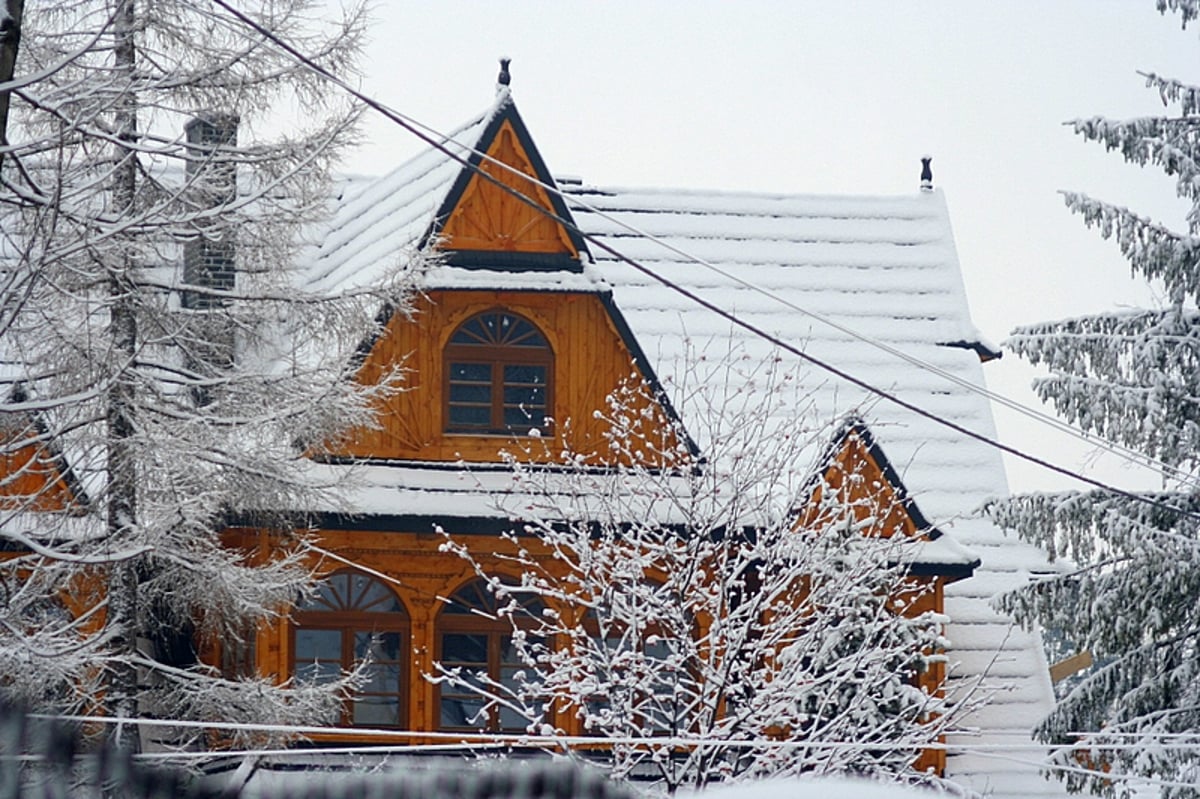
[[860, 476], [32, 475], [590, 360], [485, 220], [855, 470]]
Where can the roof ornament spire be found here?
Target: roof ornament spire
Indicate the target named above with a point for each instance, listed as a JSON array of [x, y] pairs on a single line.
[[926, 173], [504, 78]]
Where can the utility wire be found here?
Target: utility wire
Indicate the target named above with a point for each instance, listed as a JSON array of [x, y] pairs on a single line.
[[516, 739], [441, 146], [1126, 453]]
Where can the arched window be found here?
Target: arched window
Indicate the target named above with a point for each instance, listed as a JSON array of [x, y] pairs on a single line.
[[473, 639], [355, 617], [499, 370]]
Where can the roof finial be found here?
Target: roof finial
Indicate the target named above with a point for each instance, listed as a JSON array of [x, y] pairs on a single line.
[[504, 78], [926, 173]]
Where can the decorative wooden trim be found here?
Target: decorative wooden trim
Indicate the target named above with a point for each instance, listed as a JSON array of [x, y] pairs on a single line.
[[507, 120]]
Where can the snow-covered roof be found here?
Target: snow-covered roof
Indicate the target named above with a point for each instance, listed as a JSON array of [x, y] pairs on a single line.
[[462, 499], [377, 220], [882, 269], [885, 268]]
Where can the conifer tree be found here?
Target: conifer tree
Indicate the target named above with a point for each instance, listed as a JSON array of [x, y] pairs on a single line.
[[160, 347], [1132, 377]]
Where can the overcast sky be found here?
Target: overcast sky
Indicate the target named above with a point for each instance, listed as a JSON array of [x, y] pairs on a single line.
[[830, 97]]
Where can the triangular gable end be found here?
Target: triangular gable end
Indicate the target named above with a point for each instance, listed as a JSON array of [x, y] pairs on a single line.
[[856, 468], [854, 462], [482, 225], [34, 475]]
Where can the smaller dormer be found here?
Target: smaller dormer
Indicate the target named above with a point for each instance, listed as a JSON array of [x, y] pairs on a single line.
[[488, 219]]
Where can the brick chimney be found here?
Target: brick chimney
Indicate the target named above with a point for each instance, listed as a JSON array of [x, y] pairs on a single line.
[[209, 262], [212, 181]]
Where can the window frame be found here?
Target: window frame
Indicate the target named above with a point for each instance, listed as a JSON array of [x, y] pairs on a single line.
[[476, 621], [350, 623], [497, 356]]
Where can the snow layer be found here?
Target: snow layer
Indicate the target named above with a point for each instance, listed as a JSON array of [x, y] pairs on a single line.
[[378, 221], [817, 788]]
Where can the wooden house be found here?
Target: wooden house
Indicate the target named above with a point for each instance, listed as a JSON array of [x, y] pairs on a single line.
[[532, 317], [525, 322]]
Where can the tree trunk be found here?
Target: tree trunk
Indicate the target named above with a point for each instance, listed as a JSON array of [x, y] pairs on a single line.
[[122, 688], [10, 39]]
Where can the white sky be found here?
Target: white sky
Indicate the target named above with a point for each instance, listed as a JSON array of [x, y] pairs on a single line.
[[830, 97]]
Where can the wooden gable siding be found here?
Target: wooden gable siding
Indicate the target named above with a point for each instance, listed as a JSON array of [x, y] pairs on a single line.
[[860, 483], [487, 218], [590, 361], [31, 476]]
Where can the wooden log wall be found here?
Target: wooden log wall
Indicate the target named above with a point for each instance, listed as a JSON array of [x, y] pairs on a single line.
[[590, 362]]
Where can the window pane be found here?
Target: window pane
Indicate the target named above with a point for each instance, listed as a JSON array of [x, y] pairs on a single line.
[[511, 721], [379, 711], [525, 395], [471, 393], [472, 597], [382, 678], [371, 595], [464, 649], [378, 647], [318, 645], [498, 327], [470, 416], [471, 372], [524, 375], [463, 711], [508, 652], [524, 416], [353, 591], [318, 671]]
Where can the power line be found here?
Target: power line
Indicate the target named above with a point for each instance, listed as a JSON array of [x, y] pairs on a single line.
[[1115, 448], [440, 145]]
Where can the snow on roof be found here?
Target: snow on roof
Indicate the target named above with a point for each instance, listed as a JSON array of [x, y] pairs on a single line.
[[377, 221], [422, 497], [885, 268], [810, 788]]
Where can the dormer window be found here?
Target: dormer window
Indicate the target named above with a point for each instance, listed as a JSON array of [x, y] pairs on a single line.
[[499, 369]]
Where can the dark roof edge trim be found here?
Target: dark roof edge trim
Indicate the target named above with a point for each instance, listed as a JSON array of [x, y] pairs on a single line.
[[984, 352]]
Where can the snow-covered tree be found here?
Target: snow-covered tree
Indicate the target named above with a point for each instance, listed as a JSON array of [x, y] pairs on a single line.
[[1132, 377], [701, 618], [159, 344]]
